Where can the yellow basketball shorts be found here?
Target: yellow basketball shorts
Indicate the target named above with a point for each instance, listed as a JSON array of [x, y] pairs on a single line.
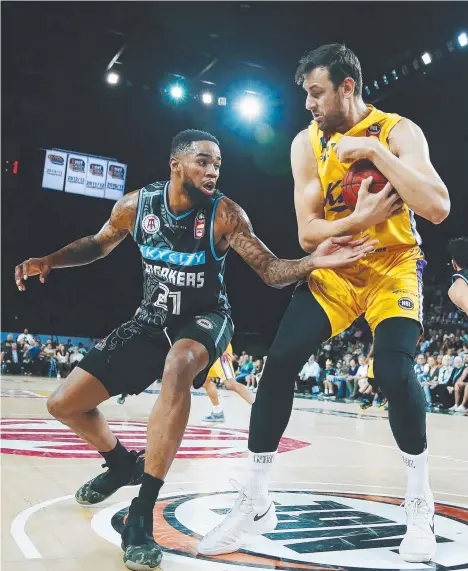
[[222, 368], [382, 285]]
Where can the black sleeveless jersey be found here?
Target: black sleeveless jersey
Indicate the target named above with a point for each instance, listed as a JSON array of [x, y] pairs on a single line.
[[182, 274], [463, 275]]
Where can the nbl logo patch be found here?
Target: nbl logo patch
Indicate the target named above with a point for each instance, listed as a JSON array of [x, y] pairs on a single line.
[[151, 224], [406, 303], [205, 323], [374, 130], [199, 228]]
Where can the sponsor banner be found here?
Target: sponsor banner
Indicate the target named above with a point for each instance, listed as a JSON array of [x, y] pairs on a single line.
[[115, 182], [76, 174], [96, 172], [54, 170]]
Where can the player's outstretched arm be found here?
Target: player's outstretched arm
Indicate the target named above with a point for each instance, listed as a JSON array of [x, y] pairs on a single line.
[[236, 229], [87, 249]]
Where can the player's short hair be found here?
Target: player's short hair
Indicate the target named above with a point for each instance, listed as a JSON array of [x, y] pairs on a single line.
[[340, 62], [458, 249], [182, 142]]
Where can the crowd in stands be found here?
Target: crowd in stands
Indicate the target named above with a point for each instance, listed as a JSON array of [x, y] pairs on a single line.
[[29, 355], [339, 370]]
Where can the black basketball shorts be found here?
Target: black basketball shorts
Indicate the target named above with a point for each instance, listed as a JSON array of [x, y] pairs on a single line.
[[132, 357]]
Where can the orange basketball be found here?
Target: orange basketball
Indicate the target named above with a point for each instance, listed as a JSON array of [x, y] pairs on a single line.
[[357, 172]]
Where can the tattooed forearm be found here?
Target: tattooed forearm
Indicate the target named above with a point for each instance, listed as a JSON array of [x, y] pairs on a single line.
[[273, 271], [78, 253]]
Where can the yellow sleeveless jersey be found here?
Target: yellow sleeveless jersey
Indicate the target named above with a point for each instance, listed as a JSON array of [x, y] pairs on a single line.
[[400, 230]]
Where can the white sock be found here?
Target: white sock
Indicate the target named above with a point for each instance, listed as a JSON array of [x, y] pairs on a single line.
[[417, 472], [218, 409], [259, 468]]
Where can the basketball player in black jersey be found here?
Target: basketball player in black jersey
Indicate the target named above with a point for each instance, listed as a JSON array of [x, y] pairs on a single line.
[[183, 228], [458, 291]]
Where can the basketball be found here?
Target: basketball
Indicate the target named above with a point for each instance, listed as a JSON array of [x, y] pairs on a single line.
[[357, 172]]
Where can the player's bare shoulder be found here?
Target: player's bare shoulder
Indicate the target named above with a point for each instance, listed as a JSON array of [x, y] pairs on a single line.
[[124, 212], [229, 216]]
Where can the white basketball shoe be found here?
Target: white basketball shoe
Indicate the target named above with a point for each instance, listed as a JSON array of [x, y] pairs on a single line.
[[419, 544], [247, 517]]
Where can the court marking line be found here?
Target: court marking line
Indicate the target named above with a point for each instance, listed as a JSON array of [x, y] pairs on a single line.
[[391, 447], [17, 528]]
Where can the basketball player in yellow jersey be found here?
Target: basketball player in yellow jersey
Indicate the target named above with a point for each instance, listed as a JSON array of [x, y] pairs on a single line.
[[386, 286], [223, 370]]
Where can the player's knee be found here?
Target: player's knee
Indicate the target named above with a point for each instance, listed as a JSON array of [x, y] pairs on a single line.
[[230, 384], [59, 406], [392, 372], [183, 363]]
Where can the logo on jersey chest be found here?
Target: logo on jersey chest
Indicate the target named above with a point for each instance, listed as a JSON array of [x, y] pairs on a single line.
[[151, 224], [335, 204], [199, 228]]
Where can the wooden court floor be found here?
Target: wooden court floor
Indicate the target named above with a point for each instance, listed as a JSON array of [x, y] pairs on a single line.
[[338, 483]]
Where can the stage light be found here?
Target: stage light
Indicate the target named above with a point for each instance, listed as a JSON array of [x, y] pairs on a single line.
[[395, 74], [207, 98], [376, 84], [463, 39], [426, 57], [367, 90], [112, 78], [250, 107], [176, 92], [385, 79]]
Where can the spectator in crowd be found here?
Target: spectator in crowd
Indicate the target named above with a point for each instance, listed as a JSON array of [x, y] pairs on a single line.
[[75, 358], [336, 381], [421, 368], [26, 336], [69, 346], [260, 365], [63, 361], [13, 359], [327, 374], [251, 379], [440, 395], [246, 367], [5, 346], [31, 361], [7, 343], [460, 385], [458, 372], [362, 385], [351, 382], [309, 376]]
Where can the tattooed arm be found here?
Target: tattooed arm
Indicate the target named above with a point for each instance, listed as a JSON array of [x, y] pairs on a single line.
[[233, 228], [87, 249]]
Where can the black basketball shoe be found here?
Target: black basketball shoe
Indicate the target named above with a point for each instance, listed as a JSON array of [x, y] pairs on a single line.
[[101, 487], [141, 552]]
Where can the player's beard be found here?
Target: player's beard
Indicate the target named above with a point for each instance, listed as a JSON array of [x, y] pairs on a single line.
[[198, 197]]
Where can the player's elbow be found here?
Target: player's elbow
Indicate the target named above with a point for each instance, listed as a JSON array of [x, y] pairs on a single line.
[[439, 212], [306, 243]]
